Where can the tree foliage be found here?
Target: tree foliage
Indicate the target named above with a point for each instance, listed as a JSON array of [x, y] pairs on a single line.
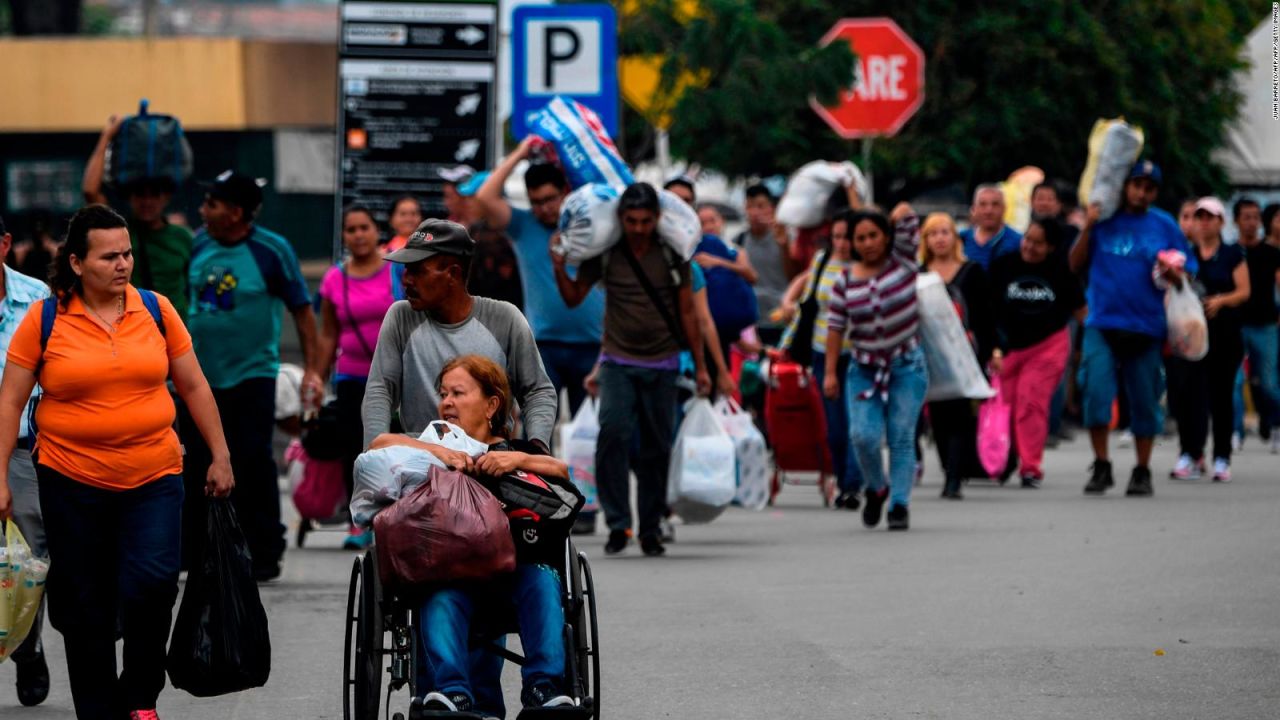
[[1008, 83]]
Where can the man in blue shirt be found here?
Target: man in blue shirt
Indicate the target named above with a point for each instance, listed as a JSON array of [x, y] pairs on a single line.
[[568, 338], [988, 238], [1126, 326], [242, 276]]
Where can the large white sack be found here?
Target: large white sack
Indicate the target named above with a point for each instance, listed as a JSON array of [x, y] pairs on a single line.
[[588, 223], [953, 367], [804, 203], [678, 226]]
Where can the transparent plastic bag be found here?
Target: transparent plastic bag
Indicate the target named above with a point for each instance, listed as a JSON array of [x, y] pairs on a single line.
[[383, 476], [1188, 328], [953, 368], [578, 449], [22, 579], [701, 480], [751, 454]]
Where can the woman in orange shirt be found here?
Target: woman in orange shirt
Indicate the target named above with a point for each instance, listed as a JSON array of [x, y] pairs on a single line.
[[108, 462]]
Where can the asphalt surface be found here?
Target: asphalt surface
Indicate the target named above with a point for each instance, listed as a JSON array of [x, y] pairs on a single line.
[[1011, 604]]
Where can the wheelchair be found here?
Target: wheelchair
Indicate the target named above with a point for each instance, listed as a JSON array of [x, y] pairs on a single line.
[[381, 634]]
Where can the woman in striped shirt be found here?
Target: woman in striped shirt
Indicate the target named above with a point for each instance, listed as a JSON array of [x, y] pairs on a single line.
[[874, 304]]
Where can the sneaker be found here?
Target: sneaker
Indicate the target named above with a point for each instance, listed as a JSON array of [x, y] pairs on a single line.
[[651, 546], [358, 539], [440, 702], [33, 679], [143, 715], [1187, 468], [875, 504], [667, 530], [848, 501], [1221, 470], [545, 695], [1032, 482], [1100, 479], [1124, 439], [899, 518], [1237, 442], [618, 540], [1140, 483]]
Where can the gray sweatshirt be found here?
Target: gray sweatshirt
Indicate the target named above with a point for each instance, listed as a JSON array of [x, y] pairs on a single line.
[[412, 348]]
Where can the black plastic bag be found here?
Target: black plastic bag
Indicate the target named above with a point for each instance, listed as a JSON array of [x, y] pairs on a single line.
[[220, 641]]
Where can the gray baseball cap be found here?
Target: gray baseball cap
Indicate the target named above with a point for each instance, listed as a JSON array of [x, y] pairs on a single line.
[[435, 237]]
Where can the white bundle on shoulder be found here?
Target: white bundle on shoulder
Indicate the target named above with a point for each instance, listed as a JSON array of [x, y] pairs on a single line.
[[384, 475]]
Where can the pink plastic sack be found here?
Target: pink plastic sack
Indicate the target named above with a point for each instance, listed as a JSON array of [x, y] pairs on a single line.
[[994, 430], [322, 492]]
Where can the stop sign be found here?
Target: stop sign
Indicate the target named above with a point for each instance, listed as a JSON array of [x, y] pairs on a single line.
[[888, 84]]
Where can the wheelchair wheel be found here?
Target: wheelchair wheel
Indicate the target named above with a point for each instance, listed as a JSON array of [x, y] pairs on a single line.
[[588, 644], [362, 662]]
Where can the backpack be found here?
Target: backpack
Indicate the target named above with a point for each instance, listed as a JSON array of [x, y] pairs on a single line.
[[49, 314], [148, 146], [730, 298]]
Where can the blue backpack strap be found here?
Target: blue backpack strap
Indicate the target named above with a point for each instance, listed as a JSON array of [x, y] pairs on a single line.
[[48, 314], [152, 304]]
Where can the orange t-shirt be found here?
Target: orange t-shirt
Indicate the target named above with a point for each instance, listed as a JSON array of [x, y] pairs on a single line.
[[106, 417]]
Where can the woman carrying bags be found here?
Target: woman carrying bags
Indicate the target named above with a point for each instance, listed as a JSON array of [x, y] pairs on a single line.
[[874, 302], [1035, 296], [954, 422], [108, 461], [355, 296], [806, 341]]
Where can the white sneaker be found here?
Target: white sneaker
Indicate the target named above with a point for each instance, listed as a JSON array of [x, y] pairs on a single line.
[[1187, 468], [1221, 470], [1124, 439], [1237, 442]]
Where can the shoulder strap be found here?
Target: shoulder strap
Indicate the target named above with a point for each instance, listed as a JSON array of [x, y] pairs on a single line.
[[351, 316], [48, 314], [152, 304], [676, 331], [817, 276]]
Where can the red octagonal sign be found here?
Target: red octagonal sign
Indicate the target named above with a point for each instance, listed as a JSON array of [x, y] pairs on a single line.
[[888, 85]]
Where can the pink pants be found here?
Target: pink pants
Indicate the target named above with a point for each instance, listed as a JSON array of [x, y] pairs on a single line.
[[1028, 380]]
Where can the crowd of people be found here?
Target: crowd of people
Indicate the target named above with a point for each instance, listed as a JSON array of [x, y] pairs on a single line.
[[1068, 314]]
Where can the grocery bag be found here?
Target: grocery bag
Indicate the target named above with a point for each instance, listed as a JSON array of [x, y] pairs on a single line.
[[221, 643], [588, 223], [750, 452], [583, 146], [382, 476], [804, 203], [701, 480], [1188, 329], [953, 368], [448, 528], [1114, 146], [578, 450], [994, 432], [148, 146], [22, 578], [318, 488]]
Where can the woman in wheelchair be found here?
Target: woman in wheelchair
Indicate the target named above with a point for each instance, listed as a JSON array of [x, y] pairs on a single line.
[[474, 395]]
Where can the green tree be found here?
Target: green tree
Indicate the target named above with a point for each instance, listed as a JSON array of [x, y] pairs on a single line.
[[1009, 83]]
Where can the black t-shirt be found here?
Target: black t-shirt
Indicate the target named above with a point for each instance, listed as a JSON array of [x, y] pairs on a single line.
[[1215, 278], [1260, 308], [1033, 301]]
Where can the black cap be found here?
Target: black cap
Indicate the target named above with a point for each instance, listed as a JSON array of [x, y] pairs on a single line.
[[237, 189], [435, 237]]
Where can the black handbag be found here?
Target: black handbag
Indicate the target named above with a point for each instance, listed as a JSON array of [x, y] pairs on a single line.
[[801, 349], [322, 433]]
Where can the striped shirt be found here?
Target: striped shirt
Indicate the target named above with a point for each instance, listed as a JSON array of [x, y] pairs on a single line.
[[879, 313]]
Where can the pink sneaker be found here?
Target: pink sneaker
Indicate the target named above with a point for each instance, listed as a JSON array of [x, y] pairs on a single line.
[[1187, 469], [1221, 470]]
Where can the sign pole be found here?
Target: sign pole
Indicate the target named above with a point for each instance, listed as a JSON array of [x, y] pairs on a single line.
[[866, 170], [662, 147]]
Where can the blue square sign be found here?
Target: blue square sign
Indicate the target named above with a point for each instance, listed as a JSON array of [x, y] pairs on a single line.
[[569, 50]]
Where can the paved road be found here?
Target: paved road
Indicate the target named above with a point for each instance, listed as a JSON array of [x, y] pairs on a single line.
[[1012, 604]]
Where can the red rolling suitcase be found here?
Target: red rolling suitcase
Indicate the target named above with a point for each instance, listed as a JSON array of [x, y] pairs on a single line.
[[797, 427]]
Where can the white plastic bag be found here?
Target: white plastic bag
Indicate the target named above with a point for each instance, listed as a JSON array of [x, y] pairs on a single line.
[[588, 223], [701, 480], [750, 451], [22, 578], [678, 225], [382, 476], [578, 450], [1188, 328], [804, 204], [953, 368], [1114, 146]]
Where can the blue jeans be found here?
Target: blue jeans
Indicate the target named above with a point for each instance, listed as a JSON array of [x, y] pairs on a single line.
[[568, 365], [113, 557], [643, 400], [533, 591], [848, 476], [1141, 372], [1262, 345], [873, 419]]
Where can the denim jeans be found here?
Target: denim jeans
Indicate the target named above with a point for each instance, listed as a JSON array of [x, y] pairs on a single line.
[[873, 419], [1142, 376], [568, 365], [532, 591], [1262, 345], [643, 399], [848, 476], [113, 556]]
